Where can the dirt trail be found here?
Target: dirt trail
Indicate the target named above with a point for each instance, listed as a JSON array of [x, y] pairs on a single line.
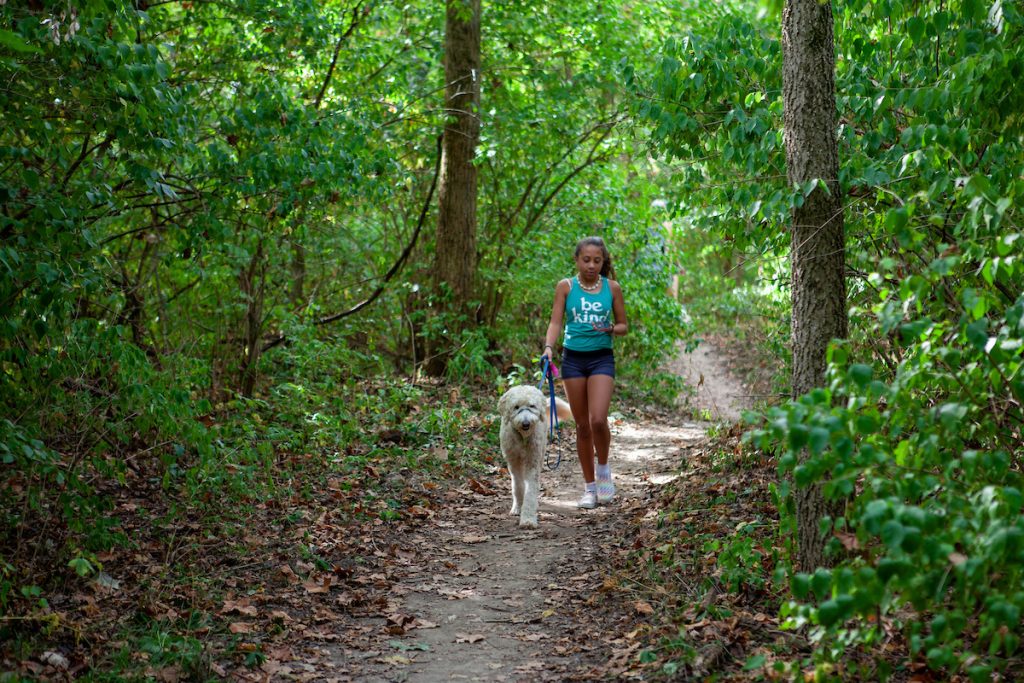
[[485, 601], [716, 393]]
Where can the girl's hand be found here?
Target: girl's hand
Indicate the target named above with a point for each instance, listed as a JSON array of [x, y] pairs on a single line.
[[546, 353]]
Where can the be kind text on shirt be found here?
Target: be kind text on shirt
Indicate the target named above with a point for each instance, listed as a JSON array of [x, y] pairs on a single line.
[[589, 312]]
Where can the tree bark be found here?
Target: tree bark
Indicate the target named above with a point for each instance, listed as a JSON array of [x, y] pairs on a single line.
[[252, 283], [817, 250], [298, 269], [455, 247]]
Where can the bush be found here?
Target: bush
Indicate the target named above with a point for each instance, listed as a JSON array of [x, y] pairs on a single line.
[[929, 464]]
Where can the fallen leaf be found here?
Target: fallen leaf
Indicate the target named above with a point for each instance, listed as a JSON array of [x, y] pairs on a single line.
[[481, 487], [475, 538], [312, 585], [169, 674], [400, 619], [848, 540], [242, 627], [423, 623], [469, 638], [643, 607], [108, 582], [289, 575], [240, 607]]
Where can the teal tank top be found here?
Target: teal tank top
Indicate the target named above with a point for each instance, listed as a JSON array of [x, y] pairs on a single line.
[[582, 310]]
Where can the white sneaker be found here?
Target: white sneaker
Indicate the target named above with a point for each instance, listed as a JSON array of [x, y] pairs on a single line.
[[588, 501], [605, 491]]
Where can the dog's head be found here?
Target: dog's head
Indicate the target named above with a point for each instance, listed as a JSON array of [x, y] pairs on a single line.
[[523, 407]]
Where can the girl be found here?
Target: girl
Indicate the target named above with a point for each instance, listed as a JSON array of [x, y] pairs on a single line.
[[594, 312]]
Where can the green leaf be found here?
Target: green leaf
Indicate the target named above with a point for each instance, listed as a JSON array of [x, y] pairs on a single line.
[[888, 568], [13, 41], [892, 533], [81, 566], [818, 440], [798, 436], [951, 414], [911, 539], [977, 334], [821, 582], [866, 424], [860, 374], [754, 662], [800, 584], [829, 613], [896, 219], [916, 28]]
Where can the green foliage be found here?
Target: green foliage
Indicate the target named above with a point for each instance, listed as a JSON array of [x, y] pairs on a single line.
[[918, 429], [932, 478]]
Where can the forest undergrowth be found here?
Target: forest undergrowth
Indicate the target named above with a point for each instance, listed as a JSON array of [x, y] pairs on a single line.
[[709, 554], [161, 586]]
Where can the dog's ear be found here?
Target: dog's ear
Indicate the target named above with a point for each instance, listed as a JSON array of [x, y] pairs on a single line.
[[503, 404]]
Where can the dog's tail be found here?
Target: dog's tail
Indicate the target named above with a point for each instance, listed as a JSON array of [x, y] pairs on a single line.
[[562, 408]]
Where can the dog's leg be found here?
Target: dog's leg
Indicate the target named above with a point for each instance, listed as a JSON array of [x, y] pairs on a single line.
[[517, 488], [528, 517]]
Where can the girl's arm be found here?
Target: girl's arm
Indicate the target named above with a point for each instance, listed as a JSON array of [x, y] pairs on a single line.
[[557, 314], [620, 327]]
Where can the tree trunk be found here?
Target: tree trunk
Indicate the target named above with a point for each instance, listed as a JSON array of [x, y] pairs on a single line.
[[817, 251], [298, 269], [252, 282], [455, 251]]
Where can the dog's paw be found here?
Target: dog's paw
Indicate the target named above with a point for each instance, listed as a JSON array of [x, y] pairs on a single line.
[[514, 510], [528, 523]]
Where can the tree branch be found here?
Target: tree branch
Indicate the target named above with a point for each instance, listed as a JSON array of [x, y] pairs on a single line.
[[281, 338], [337, 50], [588, 161]]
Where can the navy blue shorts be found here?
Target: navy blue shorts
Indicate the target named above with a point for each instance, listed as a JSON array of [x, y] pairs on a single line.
[[587, 363]]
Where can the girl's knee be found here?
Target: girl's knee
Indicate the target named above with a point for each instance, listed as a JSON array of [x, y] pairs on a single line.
[[584, 430], [599, 425]]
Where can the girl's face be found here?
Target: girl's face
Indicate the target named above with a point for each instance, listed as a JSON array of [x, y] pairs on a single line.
[[589, 262]]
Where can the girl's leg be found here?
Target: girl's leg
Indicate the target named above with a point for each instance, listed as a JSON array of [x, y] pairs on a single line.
[[576, 390], [599, 397]]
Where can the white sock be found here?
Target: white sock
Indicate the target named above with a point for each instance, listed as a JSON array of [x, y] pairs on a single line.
[[590, 486], [604, 471]]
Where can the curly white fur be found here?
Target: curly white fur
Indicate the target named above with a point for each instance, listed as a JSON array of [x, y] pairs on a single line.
[[524, 414], [524, 433]]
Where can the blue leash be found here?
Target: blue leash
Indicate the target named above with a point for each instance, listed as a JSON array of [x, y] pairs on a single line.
[[547, 372]]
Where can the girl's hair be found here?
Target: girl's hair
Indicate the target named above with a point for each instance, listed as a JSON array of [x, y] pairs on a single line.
[[594, 241]]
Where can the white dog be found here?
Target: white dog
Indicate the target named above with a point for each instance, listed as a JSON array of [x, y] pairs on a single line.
[[525, 413]]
